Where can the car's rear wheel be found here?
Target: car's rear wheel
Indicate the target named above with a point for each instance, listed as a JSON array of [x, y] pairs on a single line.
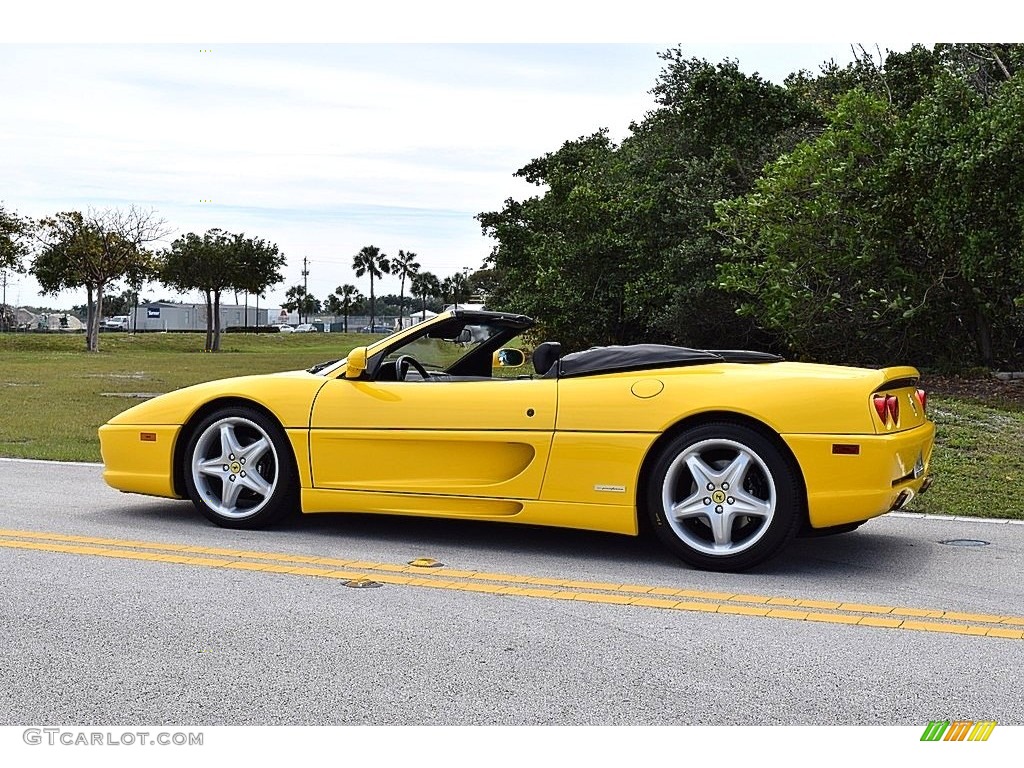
[[723, 497], [239, 470]]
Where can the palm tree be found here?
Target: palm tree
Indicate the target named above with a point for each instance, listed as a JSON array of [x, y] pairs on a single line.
[[455, 286], [446, 290], [425, 284], [404, 265], [298, 300], [348, 296], [370, 261]]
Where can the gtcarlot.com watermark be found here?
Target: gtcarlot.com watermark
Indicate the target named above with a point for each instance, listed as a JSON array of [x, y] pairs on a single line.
[[73, 737]]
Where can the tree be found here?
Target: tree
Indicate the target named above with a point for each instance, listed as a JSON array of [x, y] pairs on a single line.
[[257, 264], [332, 305], [482, 284], [92, 251], [404, 266], [809, 249], [121, 304], [895, 235], [347, 296], [370, 261], [298, 299], [216, 262], [455, 287], [201, 263], [619, 235], [425, 285], [14, 236]]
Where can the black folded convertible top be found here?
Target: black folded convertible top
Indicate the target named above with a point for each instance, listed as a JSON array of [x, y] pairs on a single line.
[[638, 357]]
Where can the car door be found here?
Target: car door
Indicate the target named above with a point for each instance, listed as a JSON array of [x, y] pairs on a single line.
[[478, 437]]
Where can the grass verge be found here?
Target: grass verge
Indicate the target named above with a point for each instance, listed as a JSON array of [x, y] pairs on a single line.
[[54, 395], [978, 461]]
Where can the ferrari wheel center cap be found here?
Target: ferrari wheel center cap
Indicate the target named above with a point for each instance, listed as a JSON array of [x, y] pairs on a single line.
[[718, 497], [235, 467]]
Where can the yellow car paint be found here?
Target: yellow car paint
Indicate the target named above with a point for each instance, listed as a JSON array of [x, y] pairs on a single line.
[[134, 465]]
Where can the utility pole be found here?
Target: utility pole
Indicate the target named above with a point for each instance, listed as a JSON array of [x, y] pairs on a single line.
[[3, 303], [305, 287]]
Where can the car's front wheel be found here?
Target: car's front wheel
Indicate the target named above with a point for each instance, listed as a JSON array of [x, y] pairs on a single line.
[[723, 497], [239, 471]]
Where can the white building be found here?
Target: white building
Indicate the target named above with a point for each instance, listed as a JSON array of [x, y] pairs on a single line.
[[167, 316]]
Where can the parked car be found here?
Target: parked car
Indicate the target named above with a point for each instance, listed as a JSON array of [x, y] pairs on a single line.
[[116, 323], [727, 454], [376, 329], [306, 328], [284, 328]]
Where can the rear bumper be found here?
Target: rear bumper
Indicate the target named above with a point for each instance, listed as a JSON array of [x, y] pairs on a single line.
[[845, 488]]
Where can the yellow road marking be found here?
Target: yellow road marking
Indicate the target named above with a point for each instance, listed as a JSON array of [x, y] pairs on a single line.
[[640, 595]]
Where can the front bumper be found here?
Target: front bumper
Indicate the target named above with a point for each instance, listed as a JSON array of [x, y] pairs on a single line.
[[139, 459], [846, 488]]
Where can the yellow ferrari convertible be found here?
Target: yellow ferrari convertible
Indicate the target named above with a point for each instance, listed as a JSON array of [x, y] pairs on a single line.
[[728, 454]]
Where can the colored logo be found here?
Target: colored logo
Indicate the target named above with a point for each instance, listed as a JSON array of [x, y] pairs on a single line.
[[958, 730]]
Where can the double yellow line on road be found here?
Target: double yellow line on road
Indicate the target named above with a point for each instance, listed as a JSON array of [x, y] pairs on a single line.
[[640, 595]]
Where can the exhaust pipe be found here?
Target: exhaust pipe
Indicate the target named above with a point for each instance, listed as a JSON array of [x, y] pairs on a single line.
[[902, 499]]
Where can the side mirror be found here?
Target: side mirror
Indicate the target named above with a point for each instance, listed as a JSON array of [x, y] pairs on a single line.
[[508, 358], [356, 363]]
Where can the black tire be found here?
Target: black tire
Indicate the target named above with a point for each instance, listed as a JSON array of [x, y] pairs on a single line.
[[239, 469], [697, 475]]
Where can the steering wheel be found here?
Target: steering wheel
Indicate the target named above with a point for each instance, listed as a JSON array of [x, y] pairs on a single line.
[[404, 362]]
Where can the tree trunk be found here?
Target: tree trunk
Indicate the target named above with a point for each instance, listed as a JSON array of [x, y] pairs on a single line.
[[216, 321], [90, 318], [97, 319], [401, 305], [372, 307], [209, 322]]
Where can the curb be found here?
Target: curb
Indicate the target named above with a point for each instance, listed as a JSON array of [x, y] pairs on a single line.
[[955, 518], [47, 461]]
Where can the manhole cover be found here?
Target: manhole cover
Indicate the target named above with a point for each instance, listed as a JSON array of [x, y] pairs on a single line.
[[965, 543]]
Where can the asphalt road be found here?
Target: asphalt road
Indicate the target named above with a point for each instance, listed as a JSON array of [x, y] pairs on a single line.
[[109, 615]]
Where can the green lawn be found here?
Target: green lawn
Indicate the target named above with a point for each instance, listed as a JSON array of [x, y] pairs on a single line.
[[54, 395], [978, 462]]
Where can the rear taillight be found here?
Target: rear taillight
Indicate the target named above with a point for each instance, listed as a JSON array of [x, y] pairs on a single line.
[[879, 401], [892, 405], [922, 398], [888, 408]]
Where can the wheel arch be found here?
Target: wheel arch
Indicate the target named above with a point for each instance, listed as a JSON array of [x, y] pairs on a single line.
[[700, 419], [189, 428]]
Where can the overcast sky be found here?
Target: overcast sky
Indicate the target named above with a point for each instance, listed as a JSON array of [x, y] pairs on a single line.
[[322, 149]]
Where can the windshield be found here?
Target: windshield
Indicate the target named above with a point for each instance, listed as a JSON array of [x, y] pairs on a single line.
[[446, 344]]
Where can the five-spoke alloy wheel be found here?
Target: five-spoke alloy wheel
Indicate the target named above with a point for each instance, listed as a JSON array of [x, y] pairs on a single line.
[[239, 470], [723, 497]]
